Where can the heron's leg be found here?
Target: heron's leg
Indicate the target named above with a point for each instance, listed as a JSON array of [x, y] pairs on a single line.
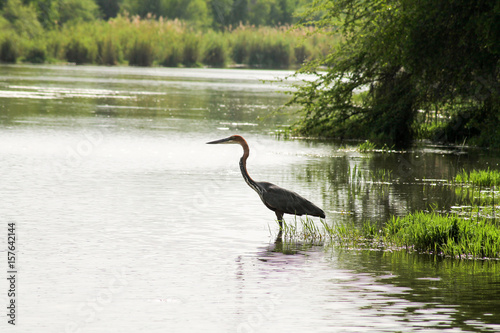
[[279, 216], [279, 238]]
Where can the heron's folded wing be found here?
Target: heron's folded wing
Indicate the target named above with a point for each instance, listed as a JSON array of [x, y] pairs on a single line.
[[289, 202]]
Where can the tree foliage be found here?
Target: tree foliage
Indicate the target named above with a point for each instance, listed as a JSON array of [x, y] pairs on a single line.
[[201, 13], [77, 10], [109, 8], [22, 19], [219, 13], [399, 57]]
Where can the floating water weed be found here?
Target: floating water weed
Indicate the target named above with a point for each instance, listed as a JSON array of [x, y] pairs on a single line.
[[477, 193], [469, 231], [366, 146], [369, 146], [351, 236]]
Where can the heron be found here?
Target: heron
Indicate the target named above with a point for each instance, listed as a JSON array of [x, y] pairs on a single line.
[[276, 198]]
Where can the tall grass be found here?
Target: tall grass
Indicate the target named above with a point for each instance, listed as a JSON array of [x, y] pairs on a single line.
[[192, 49], [470, 231], [447, 234], [9, 50], [356, 175], [476, 196], [450, 235], [303, 230], [36, 53], [482, 178], [369, 146], [81, 51], [366, 146], [141, 53], [159, 42], [215, 53], [108, 52]]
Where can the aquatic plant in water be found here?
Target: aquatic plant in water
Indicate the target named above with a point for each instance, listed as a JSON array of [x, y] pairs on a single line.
[[444, 234], [432, 233], [302, 230], [483, 178], [449, 235]]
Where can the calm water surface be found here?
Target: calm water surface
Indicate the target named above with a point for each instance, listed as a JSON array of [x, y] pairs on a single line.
[[127, 221]]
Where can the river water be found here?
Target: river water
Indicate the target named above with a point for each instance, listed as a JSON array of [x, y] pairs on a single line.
[[126, 221]]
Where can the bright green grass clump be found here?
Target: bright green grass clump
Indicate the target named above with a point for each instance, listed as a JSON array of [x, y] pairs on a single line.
[[444, 234], [432, 233], [366, 146], [483, 178], [449, 235]]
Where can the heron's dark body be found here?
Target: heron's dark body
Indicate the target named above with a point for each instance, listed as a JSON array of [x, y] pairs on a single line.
[[280, 200], [276, 198]]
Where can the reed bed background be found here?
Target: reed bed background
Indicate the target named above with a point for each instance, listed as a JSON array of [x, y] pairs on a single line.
[[157, 42]]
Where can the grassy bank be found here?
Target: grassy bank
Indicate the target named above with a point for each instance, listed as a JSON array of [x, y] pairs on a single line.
[[148, 42], [470, 230], [422, 232], [444, 234]]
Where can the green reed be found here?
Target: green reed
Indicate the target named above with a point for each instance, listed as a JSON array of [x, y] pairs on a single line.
[[469, 231], [423, 232], [444, 234], [478, 192], [351, 236], [357, 175], [483, 178], [302, 230], [476, 196], [432, 233], [160, 42], [449, 235], [366, 146]]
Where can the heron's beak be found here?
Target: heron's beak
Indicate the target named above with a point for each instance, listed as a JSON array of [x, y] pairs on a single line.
[[226, 140]]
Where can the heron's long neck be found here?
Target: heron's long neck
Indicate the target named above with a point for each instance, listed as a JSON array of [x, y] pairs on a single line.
[[243, 168]]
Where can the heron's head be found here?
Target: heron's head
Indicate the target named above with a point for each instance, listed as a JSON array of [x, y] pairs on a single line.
[[233, 139]]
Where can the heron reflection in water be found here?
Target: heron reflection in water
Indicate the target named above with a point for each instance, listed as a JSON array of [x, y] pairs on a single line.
[[277, 199]]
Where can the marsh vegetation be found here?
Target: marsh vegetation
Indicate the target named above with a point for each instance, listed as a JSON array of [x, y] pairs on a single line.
[[469, 230], [139, 34]]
